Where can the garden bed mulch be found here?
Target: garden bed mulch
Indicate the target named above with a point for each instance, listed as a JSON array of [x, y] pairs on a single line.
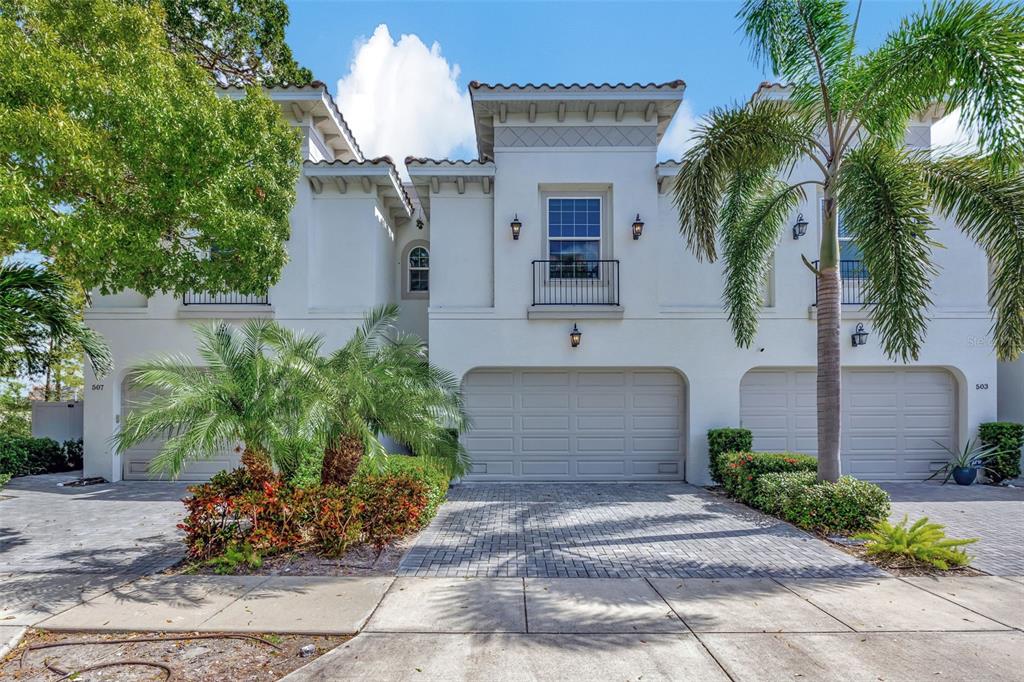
[[182, 658], [362, 560]]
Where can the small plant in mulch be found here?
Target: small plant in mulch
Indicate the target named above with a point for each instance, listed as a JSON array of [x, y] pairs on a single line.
[[921, 545]]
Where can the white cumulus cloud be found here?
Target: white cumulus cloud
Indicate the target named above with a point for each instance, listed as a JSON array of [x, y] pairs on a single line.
[[402, 98], [679, 136]]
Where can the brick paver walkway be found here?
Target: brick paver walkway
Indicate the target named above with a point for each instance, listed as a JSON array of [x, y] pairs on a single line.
[[57, 542], [617, 530], [993, 514]]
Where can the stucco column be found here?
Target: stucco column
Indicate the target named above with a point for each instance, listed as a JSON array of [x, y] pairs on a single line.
[[977, 399], [713, 401], [100, 412]]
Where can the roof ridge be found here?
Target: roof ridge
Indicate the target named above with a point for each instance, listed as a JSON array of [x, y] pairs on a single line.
[[606, 85]]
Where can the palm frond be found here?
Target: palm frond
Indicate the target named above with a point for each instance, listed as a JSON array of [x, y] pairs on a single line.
[[989, 207], [884, 208], [764, 137], [965, 54], [756, 208], [36, 308], [789, 37]]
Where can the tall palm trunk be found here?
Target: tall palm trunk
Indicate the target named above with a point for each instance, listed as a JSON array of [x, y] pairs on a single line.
[[341, 461], [258, 464], [829, 365]]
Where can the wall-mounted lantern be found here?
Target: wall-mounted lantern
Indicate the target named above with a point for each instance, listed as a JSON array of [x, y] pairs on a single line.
[[419, 223], [575, 336], [800, 227], [638, 227], [859, 336], [516, 226]]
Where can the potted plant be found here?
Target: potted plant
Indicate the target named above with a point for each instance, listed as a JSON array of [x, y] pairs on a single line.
[[963, 466]]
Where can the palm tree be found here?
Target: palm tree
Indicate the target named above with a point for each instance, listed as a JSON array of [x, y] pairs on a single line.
[[848, 113], [244, 394], [37, 313], [380, 383]]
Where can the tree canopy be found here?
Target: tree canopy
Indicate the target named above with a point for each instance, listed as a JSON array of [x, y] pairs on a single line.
[[240, 42], [121, 164]]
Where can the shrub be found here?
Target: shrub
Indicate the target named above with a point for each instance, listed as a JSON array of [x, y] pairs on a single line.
[[25, 456], [922, 543], [724, 441], [231, 519], [772, 490], [400, 495], [1007, 438], [335, 520], [13, 455], [74, 454], [846, 506], [741, 470], [4, 480]]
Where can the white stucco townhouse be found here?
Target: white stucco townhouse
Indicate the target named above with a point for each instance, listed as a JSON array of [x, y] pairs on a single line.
[[496, 262]]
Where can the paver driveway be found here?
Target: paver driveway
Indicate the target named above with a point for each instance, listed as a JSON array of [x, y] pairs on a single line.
[[614, 530], [993, 514], [58, 544]]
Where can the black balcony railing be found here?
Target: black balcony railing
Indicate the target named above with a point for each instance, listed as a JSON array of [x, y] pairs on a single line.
[[853, 282], [575, 282], [230, 298]]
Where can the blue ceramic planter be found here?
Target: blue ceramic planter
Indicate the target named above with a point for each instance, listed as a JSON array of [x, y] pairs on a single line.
[[964, 475]]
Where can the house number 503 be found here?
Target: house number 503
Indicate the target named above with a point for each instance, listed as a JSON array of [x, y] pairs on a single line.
[[980, 387]]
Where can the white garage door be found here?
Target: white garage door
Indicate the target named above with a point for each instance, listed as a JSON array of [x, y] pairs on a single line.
[[575, 424], [135, 461], [891, 418]]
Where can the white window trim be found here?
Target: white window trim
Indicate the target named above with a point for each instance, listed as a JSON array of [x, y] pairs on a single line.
[[547, 230], [407, 268]]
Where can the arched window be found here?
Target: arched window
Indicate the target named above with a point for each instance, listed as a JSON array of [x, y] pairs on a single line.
[[419, 270]]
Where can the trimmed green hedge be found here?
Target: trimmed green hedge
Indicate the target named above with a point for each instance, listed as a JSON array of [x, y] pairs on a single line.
[[847, 506], [1008, 438], [27, 456], [740, 470], [420, 469], [785, 485], [724, 441]]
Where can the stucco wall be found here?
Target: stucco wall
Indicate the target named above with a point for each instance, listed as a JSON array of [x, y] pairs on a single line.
[[342, 261]]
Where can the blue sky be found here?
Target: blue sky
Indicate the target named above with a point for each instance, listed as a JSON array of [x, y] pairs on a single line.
[[699, 42]]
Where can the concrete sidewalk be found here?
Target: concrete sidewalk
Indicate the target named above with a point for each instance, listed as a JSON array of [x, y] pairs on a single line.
[[548, 629], [665, 629], [183, 603]]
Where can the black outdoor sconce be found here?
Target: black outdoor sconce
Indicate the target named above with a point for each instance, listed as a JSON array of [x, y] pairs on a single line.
[[638, 227], [800, 227], [859, 336], [516, 226], [575, 336]]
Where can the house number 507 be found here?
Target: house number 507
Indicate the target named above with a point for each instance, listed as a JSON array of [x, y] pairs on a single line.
[[97, 387], [980, 387]]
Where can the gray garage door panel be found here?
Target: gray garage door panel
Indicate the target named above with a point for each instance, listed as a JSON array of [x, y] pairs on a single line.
[[578, 424], [135, 461], [892, 418]]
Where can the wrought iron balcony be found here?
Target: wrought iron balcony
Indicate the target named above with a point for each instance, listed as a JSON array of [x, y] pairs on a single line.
[[575, 282], [230, 298], [853, 281]]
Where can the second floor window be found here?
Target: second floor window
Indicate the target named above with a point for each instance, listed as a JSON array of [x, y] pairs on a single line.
[[419, 269], [574, 237]]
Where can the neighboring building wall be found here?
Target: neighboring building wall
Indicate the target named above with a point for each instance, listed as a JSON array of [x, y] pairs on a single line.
[[60, 421]]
